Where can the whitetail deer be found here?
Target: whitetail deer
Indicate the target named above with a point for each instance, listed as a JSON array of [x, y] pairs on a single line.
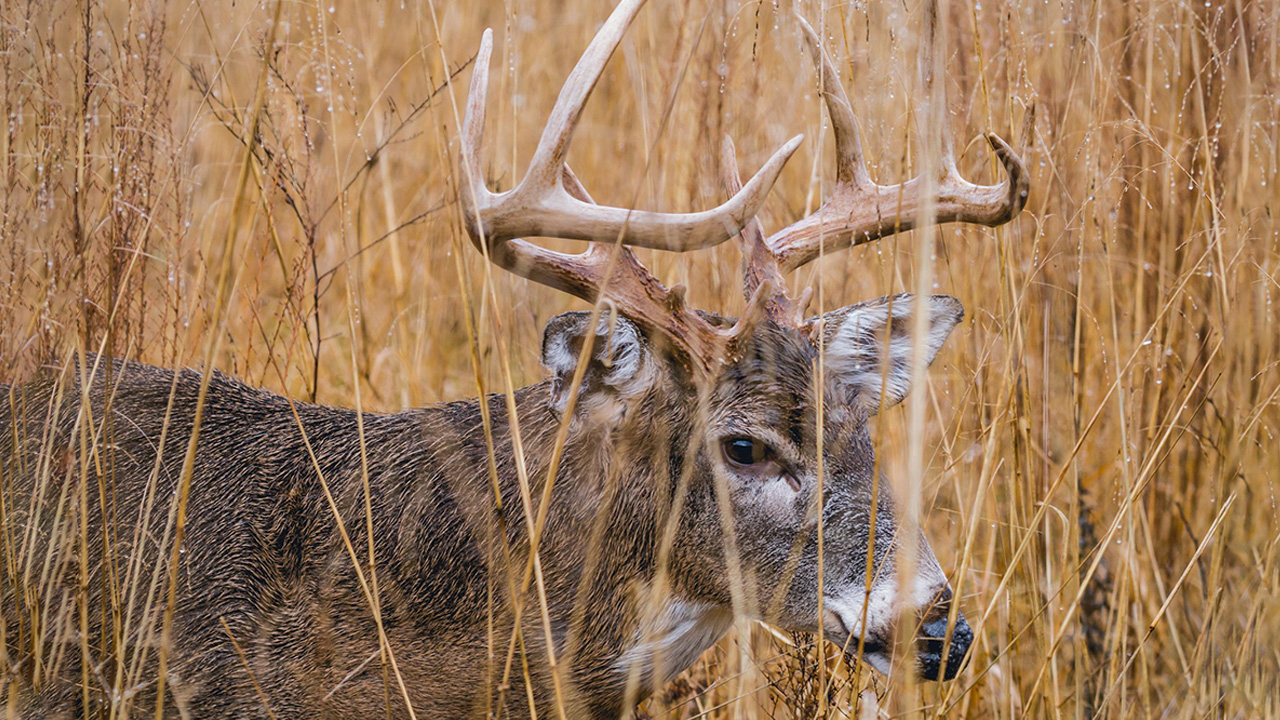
[[667, 474]]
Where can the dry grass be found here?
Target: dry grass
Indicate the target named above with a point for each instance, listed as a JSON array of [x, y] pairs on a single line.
[[1102, 461]]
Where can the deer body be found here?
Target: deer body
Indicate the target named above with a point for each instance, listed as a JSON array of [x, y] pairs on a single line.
[[348, 566], [263, 552], [264, 555]]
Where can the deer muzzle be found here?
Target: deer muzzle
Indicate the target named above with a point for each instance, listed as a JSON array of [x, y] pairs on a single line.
[[940, 648]]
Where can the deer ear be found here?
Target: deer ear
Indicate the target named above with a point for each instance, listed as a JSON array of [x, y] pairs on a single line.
[[862, 362], [621, 365]]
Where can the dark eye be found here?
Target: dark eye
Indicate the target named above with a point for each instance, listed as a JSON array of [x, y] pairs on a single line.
[[746, 451]]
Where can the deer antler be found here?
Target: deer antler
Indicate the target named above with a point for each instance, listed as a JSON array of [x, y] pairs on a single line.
[[550, 202], [859, 210]]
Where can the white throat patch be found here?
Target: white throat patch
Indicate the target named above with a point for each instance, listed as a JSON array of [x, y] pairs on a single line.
[[669, 643]]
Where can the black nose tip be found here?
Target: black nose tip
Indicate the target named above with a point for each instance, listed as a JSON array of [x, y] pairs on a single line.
[[931, 641]]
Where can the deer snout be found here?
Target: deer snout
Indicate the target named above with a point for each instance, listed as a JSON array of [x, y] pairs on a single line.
[[933, 641]]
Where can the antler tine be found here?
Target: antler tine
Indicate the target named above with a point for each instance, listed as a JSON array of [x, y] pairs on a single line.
[[929, 122], [473, 132], [851, 167], [758, 263], [553, 146], [860, 211]]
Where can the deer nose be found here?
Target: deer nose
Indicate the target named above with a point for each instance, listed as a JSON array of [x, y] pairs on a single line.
[[932, 641]]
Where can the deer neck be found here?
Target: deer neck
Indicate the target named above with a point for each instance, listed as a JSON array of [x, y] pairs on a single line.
[[670, 640], [612, 482], [638, 459]]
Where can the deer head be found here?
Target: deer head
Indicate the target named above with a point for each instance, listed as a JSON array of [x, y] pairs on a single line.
[[758, 461]]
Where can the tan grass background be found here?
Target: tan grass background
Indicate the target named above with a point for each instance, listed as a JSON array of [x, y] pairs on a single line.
[[1103, 462]]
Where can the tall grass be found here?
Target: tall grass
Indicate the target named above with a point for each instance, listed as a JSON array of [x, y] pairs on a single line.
[[1102, 464]]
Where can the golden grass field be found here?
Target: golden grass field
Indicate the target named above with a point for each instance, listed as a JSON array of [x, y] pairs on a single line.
[[1101, 452]]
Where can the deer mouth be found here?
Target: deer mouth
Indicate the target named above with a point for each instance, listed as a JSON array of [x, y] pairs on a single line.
[[874, 651], [929, 647]]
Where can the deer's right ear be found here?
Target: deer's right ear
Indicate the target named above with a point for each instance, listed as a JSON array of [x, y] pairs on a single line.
[[621, 366]]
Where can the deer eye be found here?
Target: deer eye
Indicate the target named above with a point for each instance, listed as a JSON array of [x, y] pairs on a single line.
[[746, 451]]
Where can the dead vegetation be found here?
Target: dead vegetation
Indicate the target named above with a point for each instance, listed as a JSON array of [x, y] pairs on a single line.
[[186, 181]]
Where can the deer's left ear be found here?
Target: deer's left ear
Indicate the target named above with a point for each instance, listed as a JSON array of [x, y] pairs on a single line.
[[621, 365], [869, 345]]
